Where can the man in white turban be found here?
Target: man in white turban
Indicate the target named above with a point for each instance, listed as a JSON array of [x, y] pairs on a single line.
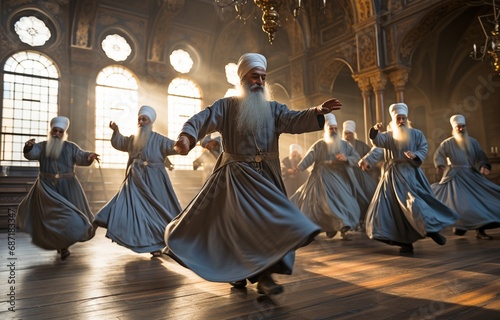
[[404, 209], [334, 182], [464, 186], [241, 201], [292, 179], [55, 212], [368, 179], [137, 215]]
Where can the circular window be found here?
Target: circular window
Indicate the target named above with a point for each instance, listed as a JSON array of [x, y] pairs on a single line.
[[32, 31], [116, 47]]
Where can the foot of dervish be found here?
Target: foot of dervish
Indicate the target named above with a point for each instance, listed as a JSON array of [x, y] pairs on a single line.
[[156, 254], [439, 239], [343, 233], [240, 284], [459, 232], [331, 234], [64, 253], [480, 234], [406, 248], [267, 286]]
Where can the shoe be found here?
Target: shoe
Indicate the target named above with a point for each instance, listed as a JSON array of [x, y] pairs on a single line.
[[331, 234], [64, 254], [480, 234], [343, 233], [406, 248], [267, 285], [156, 254], [459, 232], [439, 239], [240, 284]]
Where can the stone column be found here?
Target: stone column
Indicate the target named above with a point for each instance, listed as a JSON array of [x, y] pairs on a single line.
[[378, 82], [366, 93], [399, 78]]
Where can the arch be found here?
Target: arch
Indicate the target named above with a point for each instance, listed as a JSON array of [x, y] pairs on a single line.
[[30, 100]]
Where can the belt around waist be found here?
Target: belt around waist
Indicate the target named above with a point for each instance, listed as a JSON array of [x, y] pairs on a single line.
[[56, 175], [149, 164], [226, 157]]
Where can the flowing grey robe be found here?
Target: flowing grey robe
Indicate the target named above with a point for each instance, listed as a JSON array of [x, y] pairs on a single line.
[[463, 188], [404, 208], [330, 195], [137, 215], [292, 181], [241, 221], [56, 212]]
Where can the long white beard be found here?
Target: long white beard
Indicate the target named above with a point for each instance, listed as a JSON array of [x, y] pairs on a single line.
[[141, 138], [254, 110], [462, 140], [401, 136], [54, 146], [333, 142]]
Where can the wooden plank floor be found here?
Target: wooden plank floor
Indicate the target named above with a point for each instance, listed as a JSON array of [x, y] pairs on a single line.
[[333, 279]]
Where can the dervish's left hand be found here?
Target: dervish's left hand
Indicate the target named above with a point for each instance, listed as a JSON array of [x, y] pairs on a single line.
[[328, 106], [484, 171], [93, 156], [182, 145], [410, 155], [341, 157]]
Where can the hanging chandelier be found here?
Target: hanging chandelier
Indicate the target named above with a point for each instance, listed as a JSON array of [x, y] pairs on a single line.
[[272, 11], [490, 50]]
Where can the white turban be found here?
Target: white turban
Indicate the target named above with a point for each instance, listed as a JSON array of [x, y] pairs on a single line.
[[349, 126], [295, 147], [457, 119], [149, 112], [398, 108], [330, 119], [248, 61], [59, 122]]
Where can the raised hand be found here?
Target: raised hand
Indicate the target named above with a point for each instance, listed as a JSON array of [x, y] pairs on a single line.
[[329, 106]]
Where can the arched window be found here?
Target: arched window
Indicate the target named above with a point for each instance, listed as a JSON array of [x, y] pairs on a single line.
[[30, 101], [184, 100], [116, 100]]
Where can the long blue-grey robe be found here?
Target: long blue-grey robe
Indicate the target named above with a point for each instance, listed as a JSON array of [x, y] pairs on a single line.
[[137, 215], [404, 208], [330, 195], [292, 181], [241, 221], [463, 188], [56, 212]]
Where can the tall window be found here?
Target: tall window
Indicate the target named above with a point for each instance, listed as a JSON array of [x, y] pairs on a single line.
[[116, 100], [184, 100], [30, 101]]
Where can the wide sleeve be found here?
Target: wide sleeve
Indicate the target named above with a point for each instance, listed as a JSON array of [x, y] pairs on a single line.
[[422, 147], [208, 120], [80, 156], [481, 159], [440, 156], [352, 156], [310, 156], [295, 122], [35, 152], [119, 141], [374, 156]]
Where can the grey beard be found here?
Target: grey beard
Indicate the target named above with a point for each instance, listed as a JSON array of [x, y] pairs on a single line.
[[333, 142], [54, 147], [141, 138], [254, 111], [401, 136], [463, 141]]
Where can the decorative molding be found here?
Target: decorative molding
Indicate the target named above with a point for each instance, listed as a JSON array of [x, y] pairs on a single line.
[[84, 23]]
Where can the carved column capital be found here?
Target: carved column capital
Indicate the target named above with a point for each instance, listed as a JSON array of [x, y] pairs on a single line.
[[378, 81], [399, 78]]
